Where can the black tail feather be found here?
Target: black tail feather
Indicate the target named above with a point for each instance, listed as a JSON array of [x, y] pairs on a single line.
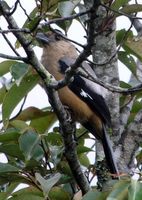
[[104, 137], [109, 153]]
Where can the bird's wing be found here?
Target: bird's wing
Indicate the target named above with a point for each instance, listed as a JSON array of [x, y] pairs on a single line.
[[87, 91], [94, 100]]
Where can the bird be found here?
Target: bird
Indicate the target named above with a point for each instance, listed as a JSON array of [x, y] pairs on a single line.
[[82, 96]]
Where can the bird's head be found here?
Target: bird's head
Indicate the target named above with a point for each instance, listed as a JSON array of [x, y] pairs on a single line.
[[50, 38], [56, 46], [58, 52]]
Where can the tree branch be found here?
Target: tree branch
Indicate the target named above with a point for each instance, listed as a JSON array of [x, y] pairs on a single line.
[[13, 57], [130, 91], [22, 30], [120, 12], [67, 130]]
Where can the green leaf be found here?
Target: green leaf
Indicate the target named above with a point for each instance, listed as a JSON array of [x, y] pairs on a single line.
[[29, 193], [121, 34], [18, 71], [83, 149], [82, 134], [134, 44], [30, 23], [84, 160], [5, 66], [30, 145], [3, 92], [43, 122], [9, 190], [52, 5], [125, 85], [15, 95], [12, 178], [133, 8], [137, 106], [135, 190], [64, 25], [65, 181], [5, 168], [26, 196], [128, 61], [56, 153], [119, 3], [139, 157], [58, 193], [119, 191], [54, 139], [12, 150], [67, 7], [32, 113], [47, 184], [64, 168], [20, 125], [33, 164], [9, 135], [95, 195]]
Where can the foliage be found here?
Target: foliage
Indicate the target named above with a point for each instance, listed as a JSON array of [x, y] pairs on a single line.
[[31, 141]]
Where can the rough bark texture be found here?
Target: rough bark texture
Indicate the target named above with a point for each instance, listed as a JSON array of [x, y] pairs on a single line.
[[102, 52], [124, 138]]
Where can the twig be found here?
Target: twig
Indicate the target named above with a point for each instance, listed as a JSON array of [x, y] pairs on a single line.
[[137, 25], [9, 43], [121, 13], [66, 38], [20, 110], [14, 8], [53, 21], [13, 57], [109, 86], [47, 163], [22, 30], [24, 10]]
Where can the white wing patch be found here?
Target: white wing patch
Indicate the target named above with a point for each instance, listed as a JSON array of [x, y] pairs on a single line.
[[84, 94]]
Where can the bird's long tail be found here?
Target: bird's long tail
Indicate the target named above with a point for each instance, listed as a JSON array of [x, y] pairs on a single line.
[[109, 153]]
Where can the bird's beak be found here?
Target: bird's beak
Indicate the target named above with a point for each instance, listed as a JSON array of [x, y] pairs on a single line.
[[42, 38]]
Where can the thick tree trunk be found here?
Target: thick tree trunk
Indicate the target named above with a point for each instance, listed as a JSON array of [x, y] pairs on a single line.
[[124, 138]]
